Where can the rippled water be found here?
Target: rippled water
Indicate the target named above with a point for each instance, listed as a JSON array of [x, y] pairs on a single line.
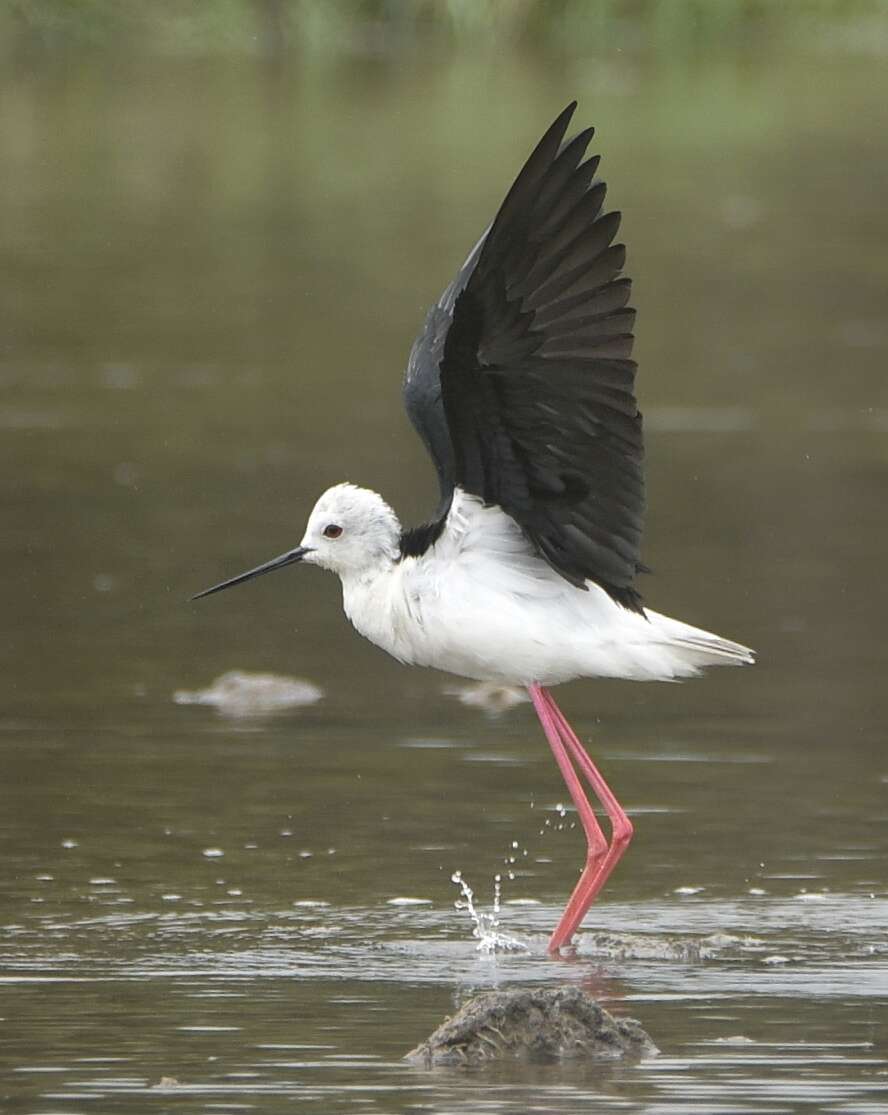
[[267, 913], [211, 275], [247, 1006]]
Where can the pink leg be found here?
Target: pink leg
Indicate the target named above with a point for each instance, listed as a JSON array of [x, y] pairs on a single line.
[[601, 859]]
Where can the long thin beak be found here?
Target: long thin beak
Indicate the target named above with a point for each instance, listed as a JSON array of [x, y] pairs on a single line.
[[276, 563]]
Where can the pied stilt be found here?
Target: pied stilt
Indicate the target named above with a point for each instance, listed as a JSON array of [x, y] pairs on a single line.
[[522, 388]]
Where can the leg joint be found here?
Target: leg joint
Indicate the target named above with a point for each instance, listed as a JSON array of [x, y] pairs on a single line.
[[623, 832]]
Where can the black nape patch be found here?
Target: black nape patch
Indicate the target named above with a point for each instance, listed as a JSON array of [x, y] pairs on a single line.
[[417, 540]]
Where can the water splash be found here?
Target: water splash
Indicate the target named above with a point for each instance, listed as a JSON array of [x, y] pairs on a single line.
[[485, 925]]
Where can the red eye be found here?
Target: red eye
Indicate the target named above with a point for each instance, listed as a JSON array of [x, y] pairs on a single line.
[[332, 531]]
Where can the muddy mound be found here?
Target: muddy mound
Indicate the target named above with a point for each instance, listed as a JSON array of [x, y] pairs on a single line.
[[537, 1025]]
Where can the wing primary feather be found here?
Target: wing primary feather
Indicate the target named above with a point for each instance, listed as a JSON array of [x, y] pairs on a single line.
[[611, 297], [588, 276], [576, 188]]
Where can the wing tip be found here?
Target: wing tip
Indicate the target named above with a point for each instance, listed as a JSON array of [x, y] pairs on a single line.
[[560, 124]]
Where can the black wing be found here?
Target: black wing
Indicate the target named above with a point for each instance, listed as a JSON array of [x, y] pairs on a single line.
[[534, 373], [422, 381]]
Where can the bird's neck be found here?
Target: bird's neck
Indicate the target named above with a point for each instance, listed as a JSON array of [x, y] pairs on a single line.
[[374, 601], [382, 566]]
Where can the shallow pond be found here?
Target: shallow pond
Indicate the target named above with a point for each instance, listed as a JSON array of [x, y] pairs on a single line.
[[211, 274]]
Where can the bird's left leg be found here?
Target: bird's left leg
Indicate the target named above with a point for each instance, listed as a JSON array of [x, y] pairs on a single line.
[[601, 858]]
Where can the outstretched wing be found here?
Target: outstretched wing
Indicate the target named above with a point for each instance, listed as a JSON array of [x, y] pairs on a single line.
[[530, 347]]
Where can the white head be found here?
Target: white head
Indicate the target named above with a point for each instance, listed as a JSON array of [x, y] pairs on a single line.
[[350, 530]]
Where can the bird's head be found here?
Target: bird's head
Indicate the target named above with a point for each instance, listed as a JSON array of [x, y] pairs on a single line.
[[351, 531]]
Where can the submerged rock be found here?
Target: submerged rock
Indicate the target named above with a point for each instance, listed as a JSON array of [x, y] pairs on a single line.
[[240, 693], [538, 1025]]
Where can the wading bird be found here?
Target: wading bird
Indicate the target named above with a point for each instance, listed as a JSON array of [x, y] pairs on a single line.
[[522, 388]]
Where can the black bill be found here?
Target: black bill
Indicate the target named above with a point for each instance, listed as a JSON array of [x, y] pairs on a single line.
[[276, 563]]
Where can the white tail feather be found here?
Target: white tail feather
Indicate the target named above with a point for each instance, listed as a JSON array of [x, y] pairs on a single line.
[[696, 649]]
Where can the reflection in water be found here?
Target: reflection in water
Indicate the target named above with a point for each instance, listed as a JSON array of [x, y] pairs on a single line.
[[211, 272], [494, 699]]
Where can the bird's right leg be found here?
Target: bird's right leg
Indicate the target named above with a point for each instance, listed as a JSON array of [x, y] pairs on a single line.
[[601, 858], [597, 846]]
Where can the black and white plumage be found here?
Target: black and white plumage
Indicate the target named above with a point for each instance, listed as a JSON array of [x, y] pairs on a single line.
[[522, 389], [521, 384]]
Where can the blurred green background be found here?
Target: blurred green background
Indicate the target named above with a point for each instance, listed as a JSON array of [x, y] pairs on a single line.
[[222, 225]]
